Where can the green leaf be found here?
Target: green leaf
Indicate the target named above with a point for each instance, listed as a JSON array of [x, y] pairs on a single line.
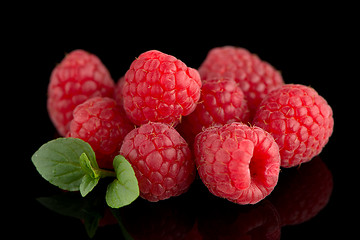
[[58, 162], [87, 184], [91, 179], [85, 164], [125, 189]]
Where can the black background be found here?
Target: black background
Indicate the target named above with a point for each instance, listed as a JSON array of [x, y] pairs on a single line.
[[310, 49]]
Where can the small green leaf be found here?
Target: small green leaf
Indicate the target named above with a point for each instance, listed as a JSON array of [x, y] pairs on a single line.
[[87, 184], [58, 162], [91, 179], [125, 189], [85, 165]]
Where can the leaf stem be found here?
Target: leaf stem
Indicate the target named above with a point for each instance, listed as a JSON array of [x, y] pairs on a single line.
[[105, 173]]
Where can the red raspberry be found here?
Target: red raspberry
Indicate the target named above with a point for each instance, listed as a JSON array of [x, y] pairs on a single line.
[[160, 88], [300, 121], [255, 77], [237, 162], [118, 96], [222, 101], [78, 77], [161, 160], [101, 123]]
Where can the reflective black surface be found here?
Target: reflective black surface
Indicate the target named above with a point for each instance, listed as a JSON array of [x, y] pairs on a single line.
[[301, 198], [316, 201]]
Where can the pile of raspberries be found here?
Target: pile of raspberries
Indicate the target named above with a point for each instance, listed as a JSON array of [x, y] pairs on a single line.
[[233, 121]]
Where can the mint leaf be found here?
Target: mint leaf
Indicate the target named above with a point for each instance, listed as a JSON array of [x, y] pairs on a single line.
[[91, 179], [58, 162], [87, 184], [85, 165], [125, 189]]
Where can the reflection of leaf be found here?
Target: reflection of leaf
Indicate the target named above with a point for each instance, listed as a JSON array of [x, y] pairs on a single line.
[[125, 189], [70, 204], [67, 204], [117, 215], [91, 225]]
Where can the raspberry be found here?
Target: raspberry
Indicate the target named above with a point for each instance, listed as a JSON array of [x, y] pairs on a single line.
[[255, 77], [160, 88], [300, 121], [78, 77], [161, 160], [101, 123], [118, 91], [237, 162], [222, 101]]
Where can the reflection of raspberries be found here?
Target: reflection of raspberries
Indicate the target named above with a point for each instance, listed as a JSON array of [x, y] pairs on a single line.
[[78, 77], [160, 88], [222, 101], [166, 220], [237, 162], [300, 121], [224, 221], [303, 192], [255, 77], [161, 160], [101, 123]]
